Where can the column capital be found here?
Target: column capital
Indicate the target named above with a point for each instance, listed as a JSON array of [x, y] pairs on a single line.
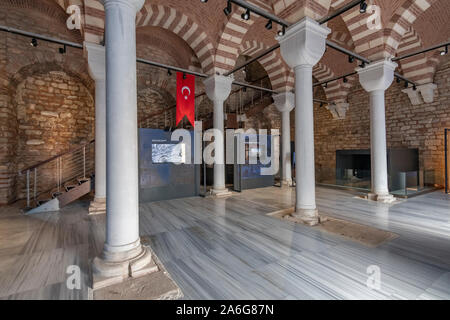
[[427, 91], [413, 96], [338, 110], [218, 87], [137, 4], [377, 75], [95, 55], [303, 43], [284, 101]]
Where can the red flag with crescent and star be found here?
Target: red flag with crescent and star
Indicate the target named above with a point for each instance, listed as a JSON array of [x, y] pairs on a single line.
[[185, 97]]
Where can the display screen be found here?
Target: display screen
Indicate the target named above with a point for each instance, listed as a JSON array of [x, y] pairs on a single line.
[[168, 153]]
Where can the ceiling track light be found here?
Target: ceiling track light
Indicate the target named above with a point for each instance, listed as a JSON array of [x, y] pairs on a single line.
[[169, 72], [63, 50], [228, 8], [414, 87], [345, 80], [406, 84], [363, 6], [34, 42], [351, 59], [325, 85], [184, 76], [398, 80], [269, 25], [363, 64], [443, 53], [246, 15], [282, 31]]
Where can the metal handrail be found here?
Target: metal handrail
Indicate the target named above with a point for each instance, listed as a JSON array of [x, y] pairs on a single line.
[[54, 157], [53, 173]]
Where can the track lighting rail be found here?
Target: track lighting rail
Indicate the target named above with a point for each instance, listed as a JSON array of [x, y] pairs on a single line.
[[442, 45]]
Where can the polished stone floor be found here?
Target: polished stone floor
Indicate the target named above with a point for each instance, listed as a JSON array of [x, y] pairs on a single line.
[[230, 249]]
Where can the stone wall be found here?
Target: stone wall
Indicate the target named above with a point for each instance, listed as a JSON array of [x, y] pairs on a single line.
[[407, 126]]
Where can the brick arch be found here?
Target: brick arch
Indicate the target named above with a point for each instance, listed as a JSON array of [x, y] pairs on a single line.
[[400, 22], [378, 44], [335, 91], [180, 24], [272, 63], [74, 70], [419, 68], [293, 11], [343, 39], [46, 7]]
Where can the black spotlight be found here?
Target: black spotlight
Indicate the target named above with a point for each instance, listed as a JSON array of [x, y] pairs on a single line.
[[282, 31], [34, 42], [325, 85], [246, 15], [363, 6], [228, 9], [269, 25], [351, 59], [398, 80], [414, 87], [363, 64], [169, 72], [406, 84], [321, 104], [443, 53], [184, 76], [345, 80], [204, 1], [63, 50]]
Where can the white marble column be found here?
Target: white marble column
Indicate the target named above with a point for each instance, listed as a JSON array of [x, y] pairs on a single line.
[[218, 89], [123, 255], [375, 79], [96, 63], [302, 47], [285, 102]]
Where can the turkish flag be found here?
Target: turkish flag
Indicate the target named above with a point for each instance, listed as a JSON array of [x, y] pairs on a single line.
[[185, 97]]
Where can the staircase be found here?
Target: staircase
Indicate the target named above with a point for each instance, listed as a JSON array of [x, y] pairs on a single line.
[[53, 183]]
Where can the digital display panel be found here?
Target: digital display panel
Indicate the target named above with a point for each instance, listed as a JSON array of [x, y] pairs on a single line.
[[169, 153]]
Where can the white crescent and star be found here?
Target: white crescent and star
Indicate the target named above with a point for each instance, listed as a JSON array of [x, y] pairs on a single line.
[[185, 88]]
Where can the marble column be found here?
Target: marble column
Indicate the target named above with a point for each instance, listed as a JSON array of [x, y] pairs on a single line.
[[375, 79], [218, 89], [123, 255], [285, 102], [96, 64], [302, 46]]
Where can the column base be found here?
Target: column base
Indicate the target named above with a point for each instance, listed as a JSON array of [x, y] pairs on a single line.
[[221, 192], [307, 216], [384, 198], [113, 268], [97, 206], [286, 183]]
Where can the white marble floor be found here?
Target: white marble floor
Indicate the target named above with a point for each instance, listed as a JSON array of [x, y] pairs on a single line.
[[229, 248]]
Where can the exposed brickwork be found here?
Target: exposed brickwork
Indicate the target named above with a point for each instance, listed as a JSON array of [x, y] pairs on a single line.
[[55, 112], [421, 126]]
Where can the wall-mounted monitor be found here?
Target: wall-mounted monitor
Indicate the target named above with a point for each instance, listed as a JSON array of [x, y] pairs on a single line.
[[169, 153]]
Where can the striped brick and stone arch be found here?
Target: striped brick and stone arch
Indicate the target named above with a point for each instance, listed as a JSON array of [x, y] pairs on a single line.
[[180, 24], [419, 68], [275, 67], [294, 10], [382, 43], [49, 8], [343, 39]]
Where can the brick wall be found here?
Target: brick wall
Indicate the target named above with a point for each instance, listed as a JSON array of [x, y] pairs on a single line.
[[407, 126]]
